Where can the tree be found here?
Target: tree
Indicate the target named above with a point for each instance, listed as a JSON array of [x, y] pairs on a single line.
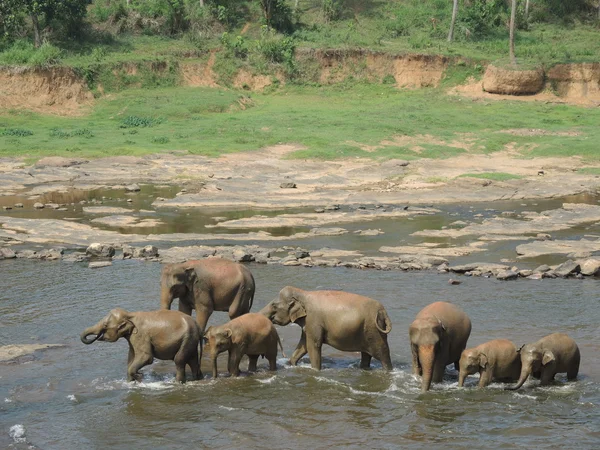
[[513, 13], [42, 12], [453, 21], [526, 10]]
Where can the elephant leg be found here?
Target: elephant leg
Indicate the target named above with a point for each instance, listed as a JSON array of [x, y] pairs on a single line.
[[438, 372], [300, 350], [547, 375], [457, 366], [272, 358], [485, 378], [416, 367], [240, 304], [253, 360], [140, 360], [203, 313], [314, 352], [365, 360], [233, 365], [195, 367]]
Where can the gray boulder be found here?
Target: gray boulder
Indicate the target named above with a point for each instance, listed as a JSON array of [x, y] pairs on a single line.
[[590, 267], [99, 264], [288, 185], [505, 275], [567, 268], [132, 188], [98, 250], [7, 253]]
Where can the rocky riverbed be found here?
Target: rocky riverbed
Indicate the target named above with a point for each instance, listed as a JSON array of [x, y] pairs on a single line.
[[259, 206]]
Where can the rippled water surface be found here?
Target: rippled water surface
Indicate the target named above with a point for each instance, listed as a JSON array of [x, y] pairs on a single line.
[[76, 397]]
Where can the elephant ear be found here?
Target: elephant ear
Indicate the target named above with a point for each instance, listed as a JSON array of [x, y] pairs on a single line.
[[483, 361], [127, 327], [548, 357], [297, 311]]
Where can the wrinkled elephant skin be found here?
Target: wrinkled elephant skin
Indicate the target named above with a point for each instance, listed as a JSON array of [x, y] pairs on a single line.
[[251, 334], [438, 335], [166, 335], [348, 322], [496, 360], [208, 285], [552, 354]]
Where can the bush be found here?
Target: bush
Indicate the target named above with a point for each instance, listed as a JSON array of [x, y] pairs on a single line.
[[141, 122], [237, 47], [17, 132], [24, 53], [483, 16]]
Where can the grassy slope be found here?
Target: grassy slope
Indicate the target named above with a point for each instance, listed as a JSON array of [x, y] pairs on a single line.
[[331, 122]]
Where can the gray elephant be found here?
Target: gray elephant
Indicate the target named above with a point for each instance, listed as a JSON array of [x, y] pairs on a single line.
[[552, 354], [438, 335], [166, 335], [347, 322], [496, 360], [251, 334], [212, 284]]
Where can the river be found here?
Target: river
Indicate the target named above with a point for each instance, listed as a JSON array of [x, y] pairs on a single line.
[[76, 396]]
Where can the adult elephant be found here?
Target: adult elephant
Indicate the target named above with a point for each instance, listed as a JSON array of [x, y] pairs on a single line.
[[438, 335], [208, 285], [552, 354], [348, 322]]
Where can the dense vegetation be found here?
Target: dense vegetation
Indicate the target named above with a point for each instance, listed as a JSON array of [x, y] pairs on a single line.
[[80, 32]]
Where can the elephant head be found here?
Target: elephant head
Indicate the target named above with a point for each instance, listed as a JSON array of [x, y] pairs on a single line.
[[117, 324], [471, 361], [219, 341], [287, 308], [176, 281], [533, 357], [427, 335]]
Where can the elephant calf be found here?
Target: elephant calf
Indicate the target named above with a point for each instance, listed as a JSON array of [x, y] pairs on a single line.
[[347, 322], [166, 335], [251, 334], [552, 354], [494, 360], [438, 335]]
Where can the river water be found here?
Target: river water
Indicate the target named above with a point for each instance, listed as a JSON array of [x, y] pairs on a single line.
[[76, 397]]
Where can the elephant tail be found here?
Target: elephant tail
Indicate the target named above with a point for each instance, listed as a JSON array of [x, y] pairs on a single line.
[[383, 322]]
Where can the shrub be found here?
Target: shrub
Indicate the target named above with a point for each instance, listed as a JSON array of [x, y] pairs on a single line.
[[24, 53], [141, 122], [18, 132]]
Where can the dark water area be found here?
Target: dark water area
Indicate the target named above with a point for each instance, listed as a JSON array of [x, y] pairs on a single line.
[[76, 397]]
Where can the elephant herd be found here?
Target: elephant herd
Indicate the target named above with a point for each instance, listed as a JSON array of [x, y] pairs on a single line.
[[348, 322]]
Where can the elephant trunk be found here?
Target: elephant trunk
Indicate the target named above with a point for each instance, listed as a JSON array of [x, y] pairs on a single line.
[[525, 372], [461, 378], [214, 364], [96, 330], [165, 298], [267, 311], [427, 361]]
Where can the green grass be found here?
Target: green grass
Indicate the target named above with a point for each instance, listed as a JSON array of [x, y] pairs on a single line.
[[589, 171], [331, 122], [496, 176]]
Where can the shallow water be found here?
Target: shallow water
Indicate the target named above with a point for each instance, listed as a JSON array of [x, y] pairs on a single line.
[[76, 397]]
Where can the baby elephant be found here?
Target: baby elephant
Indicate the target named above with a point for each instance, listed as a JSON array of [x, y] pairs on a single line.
[[555, 353], [164, 334], [251, 334], [494, 360]]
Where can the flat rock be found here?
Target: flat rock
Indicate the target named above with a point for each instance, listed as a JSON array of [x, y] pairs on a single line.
[[58, 161], [122, 221], [288, 185], [395, 163], [132, 188], [99, 264], [105, 210], [8, 352], [481, 266], [557, 247]]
